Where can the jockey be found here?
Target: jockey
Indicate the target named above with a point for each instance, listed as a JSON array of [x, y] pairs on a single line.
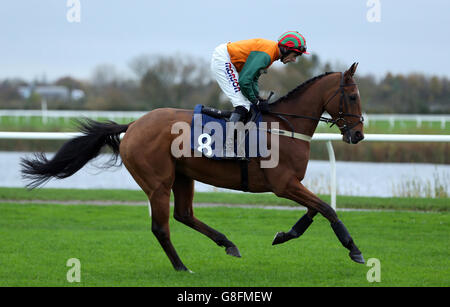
[[237, 66]]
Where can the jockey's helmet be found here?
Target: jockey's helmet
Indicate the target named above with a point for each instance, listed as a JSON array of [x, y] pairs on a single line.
[[292, 41]]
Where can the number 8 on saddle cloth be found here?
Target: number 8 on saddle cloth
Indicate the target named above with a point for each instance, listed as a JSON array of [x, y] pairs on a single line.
[[209, 129]]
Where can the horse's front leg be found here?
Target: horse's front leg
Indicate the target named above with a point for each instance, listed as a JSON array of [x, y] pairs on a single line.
[[300, 194], [297, 230]]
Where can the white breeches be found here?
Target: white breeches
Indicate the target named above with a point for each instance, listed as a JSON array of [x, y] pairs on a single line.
[[227, 76]]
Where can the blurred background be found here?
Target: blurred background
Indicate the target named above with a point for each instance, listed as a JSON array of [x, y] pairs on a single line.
[[60, 60]]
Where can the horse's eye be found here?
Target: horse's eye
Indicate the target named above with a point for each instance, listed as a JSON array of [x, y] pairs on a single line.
[[353, 97]]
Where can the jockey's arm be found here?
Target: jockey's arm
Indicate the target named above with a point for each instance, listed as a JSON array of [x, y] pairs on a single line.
[[255, 85], [250, 73]]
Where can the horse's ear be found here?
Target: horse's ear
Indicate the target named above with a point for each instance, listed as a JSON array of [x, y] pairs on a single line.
[[351, 71]]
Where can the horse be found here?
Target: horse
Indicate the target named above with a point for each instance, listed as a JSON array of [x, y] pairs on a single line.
[[145, 150]]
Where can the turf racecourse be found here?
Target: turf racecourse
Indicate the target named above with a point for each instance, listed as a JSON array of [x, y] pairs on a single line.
[[116, 248]]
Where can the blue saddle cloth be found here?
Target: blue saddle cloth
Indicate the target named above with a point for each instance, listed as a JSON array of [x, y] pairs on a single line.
[[208, 135]]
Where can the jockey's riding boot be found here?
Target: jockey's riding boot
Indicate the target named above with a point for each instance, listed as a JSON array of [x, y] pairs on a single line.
[[238, 114], [235, 117]]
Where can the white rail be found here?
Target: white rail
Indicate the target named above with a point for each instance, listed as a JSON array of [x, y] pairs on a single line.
[[38, 135], [326, 137], [387, 137], [418, 118]]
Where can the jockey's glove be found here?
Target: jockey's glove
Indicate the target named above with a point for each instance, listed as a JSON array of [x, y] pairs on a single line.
[[262, 100]]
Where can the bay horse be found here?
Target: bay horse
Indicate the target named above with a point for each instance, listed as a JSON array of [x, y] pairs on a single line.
[[145, 150]]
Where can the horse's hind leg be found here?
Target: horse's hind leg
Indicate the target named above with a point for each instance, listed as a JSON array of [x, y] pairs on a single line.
[[183, 190], [160, 212]]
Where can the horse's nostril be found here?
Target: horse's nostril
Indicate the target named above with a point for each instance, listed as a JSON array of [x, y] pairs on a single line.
[[359, 136]]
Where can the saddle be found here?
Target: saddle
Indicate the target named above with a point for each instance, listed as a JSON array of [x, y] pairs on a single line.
[[221, 114], [220, 117], [209, 114]]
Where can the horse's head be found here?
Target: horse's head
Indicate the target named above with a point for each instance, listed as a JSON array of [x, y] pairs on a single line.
[[344, 106]]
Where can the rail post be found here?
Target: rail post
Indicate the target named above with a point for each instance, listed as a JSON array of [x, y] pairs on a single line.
[[333, 174]]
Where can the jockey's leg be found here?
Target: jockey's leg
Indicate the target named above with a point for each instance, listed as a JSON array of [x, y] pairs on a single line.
[[227, 77], [238, 115]]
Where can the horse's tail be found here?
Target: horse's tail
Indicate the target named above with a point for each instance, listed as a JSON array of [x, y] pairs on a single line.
[[75, 153]]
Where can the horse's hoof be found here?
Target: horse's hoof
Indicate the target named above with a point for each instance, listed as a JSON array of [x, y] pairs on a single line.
[[282, 237], [279, 238], [233, 251], [182, 269], [357, 257]]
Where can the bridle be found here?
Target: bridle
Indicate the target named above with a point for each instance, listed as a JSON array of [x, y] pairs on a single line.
[[344, 128]]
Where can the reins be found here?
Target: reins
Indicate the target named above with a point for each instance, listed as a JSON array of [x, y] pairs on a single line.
[[265, 108]]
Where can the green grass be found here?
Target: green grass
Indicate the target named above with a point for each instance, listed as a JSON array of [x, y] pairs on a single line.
[[116, 248], [268, 199], [71, 194]]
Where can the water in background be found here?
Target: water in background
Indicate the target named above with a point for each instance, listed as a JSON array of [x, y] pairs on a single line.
[[353, 178]]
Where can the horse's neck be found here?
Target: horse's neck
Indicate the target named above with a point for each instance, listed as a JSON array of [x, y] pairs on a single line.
[[309, 103]]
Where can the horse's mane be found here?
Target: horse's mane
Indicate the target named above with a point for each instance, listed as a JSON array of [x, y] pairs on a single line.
[[302, 87]]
